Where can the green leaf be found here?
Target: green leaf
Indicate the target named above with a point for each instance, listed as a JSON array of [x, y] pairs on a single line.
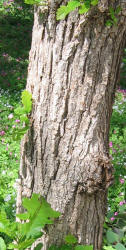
[[63, 11], [119, 246], [122, 208], [40, 214], [72, 5], [24, 216], [84, 8], [70, 239], [38, 247], [108, 248], [112, 237], [5, 225], [27, 101], [2, 244], [109, 23], [19, 111], [32, 1], [82, 247], [24, 118], [94, 2], [19, 132], [112, 14], [22, 245]]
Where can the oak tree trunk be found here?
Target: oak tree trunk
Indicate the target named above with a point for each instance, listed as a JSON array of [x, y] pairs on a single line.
[[72, 75]]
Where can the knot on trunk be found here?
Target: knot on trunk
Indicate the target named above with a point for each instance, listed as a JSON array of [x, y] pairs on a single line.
[[99, 174]]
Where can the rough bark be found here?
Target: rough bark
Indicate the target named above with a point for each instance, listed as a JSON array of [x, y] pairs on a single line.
[[72, 75]]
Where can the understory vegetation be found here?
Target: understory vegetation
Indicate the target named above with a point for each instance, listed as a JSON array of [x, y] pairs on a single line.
[[16, 20]]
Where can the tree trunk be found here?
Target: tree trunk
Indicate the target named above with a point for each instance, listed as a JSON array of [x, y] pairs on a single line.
[[73, 70]]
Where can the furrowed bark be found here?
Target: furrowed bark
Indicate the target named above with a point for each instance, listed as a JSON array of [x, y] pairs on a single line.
[[73, 71]]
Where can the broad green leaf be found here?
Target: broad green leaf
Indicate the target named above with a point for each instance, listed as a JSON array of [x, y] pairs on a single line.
[[119, 246], [23, 245], [32, 1], [120, 232], [39, 246], [94, 2], [112, 237], [70, 239], [72, 5], [24, 118], [26, 98], [18, 133], [2, 244], [108, 248], [5, 225], [24, 216], [84, 9], [40, 214], [63, 11], [82, 247], [19, 111], [122, 208]]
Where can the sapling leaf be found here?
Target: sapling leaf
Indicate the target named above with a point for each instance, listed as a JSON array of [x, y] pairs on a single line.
[[22, 245], [19, 132], [32, 1], [26, 98], [122, 208], [24, 216], [108, 248], [63, 11], [94, 2], [72, 5], [112, 237], [5, 225], [84, 9], [119, 246], [24, 118], [40, 213], [2, 244], [19, 111]]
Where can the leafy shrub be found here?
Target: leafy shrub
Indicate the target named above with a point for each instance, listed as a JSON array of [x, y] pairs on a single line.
[[115, 226], [117, 192]]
